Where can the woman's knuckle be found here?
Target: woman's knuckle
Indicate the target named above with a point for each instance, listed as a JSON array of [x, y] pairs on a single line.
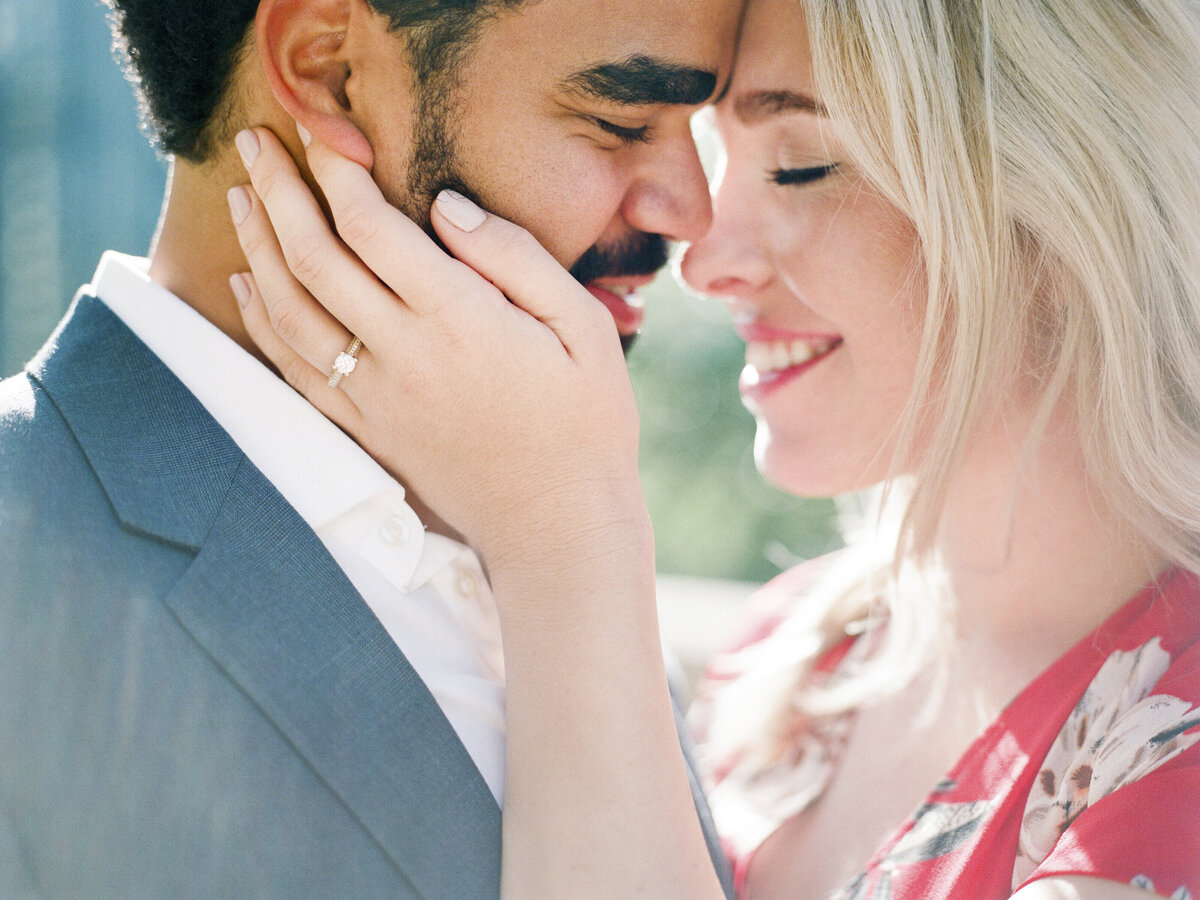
[[252, 244], [294, 371], [307, 256], [517, 242], [266, 184], [358, 225], [286, 320]]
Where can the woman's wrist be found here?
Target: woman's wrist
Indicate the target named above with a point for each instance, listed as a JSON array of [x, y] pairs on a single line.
[[592, 523]]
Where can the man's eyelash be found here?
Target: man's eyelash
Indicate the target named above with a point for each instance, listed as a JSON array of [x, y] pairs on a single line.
[[801, 176], [627, 135]]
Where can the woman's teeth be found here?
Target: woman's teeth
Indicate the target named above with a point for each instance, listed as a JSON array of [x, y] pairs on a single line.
[[775, 356]]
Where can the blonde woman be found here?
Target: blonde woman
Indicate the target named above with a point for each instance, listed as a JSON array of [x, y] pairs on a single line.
[[962, 243]]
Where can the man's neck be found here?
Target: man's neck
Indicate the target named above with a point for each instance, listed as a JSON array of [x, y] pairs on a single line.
[[196, 248]]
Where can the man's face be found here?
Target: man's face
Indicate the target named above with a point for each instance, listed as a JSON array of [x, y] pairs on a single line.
[[571, 118]]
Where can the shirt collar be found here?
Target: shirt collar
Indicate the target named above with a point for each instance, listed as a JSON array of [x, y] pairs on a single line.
[[318, 469]]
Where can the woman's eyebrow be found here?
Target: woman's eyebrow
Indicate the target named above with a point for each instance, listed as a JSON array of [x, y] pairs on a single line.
[[642, 81], [759, 105]]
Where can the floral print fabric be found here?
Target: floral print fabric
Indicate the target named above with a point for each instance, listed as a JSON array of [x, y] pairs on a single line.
[[1118, 732], [1094, 770]]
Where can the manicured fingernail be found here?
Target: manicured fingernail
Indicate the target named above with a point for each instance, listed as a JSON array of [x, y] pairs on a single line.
[[305, 136], [240, 287], [461, 212], [247, 144], [239, 204]]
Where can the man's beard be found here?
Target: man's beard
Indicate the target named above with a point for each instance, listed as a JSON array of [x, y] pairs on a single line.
[[434, 166]]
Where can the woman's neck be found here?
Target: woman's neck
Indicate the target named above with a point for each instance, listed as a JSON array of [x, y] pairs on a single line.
[[1034, 556]]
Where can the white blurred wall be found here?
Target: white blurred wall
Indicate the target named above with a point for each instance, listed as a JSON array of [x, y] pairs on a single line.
[[696, 616]]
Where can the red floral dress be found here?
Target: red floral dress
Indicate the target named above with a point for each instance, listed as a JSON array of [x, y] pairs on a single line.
[[1093, 770]]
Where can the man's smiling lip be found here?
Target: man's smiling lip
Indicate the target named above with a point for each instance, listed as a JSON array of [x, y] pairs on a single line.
[[619, 294]]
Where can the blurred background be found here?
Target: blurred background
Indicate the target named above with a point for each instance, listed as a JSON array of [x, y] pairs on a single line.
[[77, 176]]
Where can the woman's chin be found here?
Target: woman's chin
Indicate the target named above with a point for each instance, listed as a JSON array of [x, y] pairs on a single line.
[[792, 474], [807, 471]]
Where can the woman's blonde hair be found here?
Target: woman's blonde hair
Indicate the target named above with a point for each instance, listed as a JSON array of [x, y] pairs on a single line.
[[1048, 154]]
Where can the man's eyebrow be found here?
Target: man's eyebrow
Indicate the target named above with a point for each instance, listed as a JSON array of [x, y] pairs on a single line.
[[759, 105], [643, 80]]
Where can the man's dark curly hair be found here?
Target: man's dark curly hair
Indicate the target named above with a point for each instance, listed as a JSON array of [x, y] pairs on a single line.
[[181, 54]]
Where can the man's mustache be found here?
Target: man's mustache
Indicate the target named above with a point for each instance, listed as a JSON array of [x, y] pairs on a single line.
[[641, 254]]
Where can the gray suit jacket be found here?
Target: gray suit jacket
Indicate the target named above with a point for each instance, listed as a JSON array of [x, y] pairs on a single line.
[[194, 700]]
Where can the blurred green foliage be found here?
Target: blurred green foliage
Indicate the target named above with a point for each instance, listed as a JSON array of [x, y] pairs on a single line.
[[713, 514]]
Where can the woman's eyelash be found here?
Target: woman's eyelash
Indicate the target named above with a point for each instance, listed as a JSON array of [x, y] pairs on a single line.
[[627, 135], [801, 176]]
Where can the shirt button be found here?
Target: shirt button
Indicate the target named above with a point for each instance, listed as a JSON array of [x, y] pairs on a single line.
[[466, 585], [394, 531]]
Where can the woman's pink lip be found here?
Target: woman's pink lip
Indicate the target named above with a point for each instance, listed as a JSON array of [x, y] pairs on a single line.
[[769, 382]]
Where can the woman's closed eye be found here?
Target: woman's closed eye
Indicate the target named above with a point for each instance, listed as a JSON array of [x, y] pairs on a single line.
[[801, 176]]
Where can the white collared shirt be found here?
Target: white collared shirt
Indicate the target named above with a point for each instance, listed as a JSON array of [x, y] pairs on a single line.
[[427, 590]]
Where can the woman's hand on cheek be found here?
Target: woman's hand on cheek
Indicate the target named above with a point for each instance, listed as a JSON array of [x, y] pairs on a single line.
[[514, 421]]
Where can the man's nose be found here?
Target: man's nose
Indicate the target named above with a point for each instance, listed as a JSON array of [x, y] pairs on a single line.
[[671, 195]]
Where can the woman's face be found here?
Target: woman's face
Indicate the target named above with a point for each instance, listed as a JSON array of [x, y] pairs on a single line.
[[822, 274]]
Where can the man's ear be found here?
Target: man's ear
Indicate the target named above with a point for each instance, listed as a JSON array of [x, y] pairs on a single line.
[[304, 50]]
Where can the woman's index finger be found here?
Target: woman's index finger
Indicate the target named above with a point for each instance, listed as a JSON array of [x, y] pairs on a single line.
[[296, 225], [400, 253]]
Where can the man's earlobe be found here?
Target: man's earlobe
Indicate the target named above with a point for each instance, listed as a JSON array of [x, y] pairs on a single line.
[[304, 54]]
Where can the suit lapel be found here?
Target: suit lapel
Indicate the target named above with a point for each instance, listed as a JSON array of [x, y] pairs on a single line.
[[715, 850], [274, 610], [163, 461]]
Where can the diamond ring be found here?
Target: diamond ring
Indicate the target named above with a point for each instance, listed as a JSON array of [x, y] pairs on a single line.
[[345, 363]]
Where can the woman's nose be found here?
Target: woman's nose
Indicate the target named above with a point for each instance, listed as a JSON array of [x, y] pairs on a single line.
[[727, 261]]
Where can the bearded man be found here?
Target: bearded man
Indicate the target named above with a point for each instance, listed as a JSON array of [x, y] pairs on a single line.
[[237, 658]]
